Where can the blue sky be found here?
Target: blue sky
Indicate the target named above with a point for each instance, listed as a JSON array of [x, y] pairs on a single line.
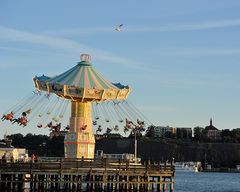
[[181, 58]]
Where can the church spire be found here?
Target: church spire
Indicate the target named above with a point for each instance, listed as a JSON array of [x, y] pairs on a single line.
[[211, 121]]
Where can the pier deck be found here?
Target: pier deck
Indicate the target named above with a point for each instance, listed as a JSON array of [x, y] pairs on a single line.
[[87, 175]]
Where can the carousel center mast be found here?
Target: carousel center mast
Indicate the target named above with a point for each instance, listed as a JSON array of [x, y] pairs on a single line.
[[83, 85]]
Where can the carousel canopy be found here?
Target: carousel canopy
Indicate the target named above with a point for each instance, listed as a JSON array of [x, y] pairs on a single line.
[[83, 75], [82, 79]]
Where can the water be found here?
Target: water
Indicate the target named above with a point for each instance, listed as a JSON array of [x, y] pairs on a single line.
[[207, 182]]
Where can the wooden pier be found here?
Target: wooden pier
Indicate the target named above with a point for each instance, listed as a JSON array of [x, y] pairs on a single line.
[[87, 175]]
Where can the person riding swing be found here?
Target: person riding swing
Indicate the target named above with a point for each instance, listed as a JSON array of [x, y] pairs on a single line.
[[23, 121], [8, 116], [39, 125], [49, 125]]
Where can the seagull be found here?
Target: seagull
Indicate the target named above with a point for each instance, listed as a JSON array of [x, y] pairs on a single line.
[[119, 28]]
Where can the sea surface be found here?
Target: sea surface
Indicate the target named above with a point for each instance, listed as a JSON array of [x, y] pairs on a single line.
[[186, 181]]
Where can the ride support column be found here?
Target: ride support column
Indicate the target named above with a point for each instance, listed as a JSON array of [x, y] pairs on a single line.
[[80, 141]]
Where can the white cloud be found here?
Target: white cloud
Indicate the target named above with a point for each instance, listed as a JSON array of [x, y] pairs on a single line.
[[80, 31], [12, 35], [8, 34]]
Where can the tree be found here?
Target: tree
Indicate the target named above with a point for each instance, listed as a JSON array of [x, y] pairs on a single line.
[[39, 145], [150, 131], [226, 135], [226, 132], [55, 147], [236, 134], [198, 133], [17, 139], [171, 135]]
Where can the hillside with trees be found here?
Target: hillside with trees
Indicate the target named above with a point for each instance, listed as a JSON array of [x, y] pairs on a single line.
[[219, 154]]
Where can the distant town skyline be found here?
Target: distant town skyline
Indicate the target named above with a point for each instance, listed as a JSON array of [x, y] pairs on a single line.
[[180, 58]]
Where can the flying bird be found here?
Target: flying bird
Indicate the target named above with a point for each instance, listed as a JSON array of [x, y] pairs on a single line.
[[119, 28]]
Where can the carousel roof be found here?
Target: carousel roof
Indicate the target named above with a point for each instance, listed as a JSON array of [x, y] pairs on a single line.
[[83, 75], [82, 82], [43, 78]]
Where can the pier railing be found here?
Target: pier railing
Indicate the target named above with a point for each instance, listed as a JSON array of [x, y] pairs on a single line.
[[86, 165]]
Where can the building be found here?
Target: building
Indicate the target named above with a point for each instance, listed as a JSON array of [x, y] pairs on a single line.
[[164, 131], [123, 156], [212, 132], [9, 153], [184, 132], [57, 134], [111, 135]]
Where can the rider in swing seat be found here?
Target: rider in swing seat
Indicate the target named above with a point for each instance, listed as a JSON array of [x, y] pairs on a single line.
[[8, 116]]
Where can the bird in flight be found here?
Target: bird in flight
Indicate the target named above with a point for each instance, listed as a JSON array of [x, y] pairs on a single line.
[[119, 28]]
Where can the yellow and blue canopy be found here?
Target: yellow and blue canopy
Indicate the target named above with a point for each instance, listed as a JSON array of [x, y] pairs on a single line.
[[81, 80]]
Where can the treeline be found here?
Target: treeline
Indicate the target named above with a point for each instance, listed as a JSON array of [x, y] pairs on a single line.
[[217, 154], [40, 145]]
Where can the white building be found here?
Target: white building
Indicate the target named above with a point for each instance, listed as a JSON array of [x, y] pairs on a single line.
[[10, 153]]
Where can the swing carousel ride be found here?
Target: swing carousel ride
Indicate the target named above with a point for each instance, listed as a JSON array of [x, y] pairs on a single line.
[[96, 104]]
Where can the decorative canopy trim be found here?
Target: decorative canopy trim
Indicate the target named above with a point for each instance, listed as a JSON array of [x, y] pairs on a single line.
[[82, 78]]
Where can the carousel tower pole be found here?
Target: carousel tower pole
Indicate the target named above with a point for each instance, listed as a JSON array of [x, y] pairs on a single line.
[[80, 141]]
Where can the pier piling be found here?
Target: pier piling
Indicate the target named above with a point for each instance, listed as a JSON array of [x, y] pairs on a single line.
[[87, 174]]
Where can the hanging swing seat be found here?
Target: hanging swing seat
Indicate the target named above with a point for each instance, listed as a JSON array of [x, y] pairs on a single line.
[[99, 130], [67, 127], [28, 111], [8, 116], [23, 121], [55, 119], [125, 130], [49, 125], [116, 128]]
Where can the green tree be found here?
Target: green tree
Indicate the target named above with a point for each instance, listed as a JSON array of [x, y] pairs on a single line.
[[150, 131], [17, 139], [198, 133], [236, 134], [55, 147], [170, 135], [226, 135]]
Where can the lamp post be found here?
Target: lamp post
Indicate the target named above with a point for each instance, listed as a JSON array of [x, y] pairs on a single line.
[[136, 129], [135, 147]]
